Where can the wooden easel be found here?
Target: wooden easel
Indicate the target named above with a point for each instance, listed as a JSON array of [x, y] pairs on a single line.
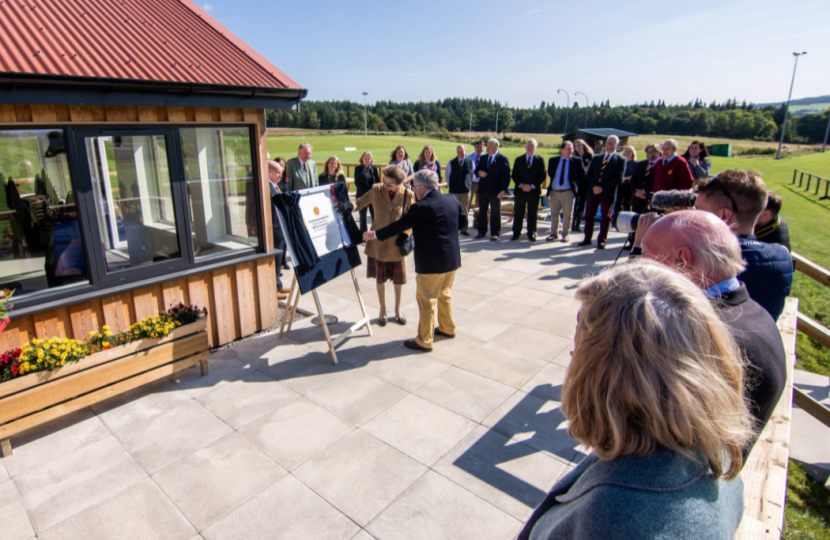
[[291, 309]]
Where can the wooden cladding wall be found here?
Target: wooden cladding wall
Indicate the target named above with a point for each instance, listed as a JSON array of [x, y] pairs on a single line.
[[241, 300]]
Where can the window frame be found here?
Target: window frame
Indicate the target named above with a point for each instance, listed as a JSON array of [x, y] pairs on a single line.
[[100, 280]]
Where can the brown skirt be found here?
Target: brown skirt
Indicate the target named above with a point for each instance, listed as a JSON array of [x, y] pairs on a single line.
[[386, 271]]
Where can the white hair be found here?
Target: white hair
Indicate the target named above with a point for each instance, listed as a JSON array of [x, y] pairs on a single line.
[[427, 178], [494, 141], [615, 138], [305, 145], [534, 141]]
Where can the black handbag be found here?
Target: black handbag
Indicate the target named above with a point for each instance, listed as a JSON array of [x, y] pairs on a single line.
[[404, 241]]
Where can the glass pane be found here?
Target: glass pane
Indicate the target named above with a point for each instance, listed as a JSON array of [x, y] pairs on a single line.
[[131, 186], [220, 189], [40, 239]]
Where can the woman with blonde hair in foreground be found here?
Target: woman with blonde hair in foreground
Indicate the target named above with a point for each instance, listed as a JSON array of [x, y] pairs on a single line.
[[654, 389]]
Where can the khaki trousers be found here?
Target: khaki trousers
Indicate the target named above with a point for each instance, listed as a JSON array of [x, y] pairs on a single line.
[[464, 199], [434, 288], [564, 201]]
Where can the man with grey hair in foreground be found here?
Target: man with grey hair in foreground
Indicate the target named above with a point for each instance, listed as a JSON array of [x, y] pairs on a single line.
[[704, 249], [435, 221], [301, 171]]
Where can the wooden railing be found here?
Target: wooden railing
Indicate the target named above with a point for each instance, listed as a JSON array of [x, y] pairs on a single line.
[[799, 174]]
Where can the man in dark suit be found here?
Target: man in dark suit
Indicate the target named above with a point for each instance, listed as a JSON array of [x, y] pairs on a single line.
[[274, 175], [604, 175], [435, 221], [704, 249], [642, 181], [494, 172], [566, 175], [528, 177]]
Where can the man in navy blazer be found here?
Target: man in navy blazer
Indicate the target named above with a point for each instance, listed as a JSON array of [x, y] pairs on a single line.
[[494, 171], [528, 177], [435, 221], [604, 175]]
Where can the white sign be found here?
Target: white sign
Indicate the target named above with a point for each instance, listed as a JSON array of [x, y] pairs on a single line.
[[321, 220]]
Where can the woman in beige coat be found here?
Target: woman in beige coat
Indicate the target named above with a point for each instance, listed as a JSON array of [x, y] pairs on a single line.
[[390, 200]]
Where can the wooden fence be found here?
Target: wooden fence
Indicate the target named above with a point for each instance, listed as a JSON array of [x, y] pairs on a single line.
[[798, 175]]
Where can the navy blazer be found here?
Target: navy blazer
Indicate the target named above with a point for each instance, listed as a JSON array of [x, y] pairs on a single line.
[[435, 221], [607, 180], [533, 175], [360, 179], [576, 172], [498, 176]]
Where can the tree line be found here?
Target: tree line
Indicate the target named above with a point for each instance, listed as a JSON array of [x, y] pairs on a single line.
[[729, 119]]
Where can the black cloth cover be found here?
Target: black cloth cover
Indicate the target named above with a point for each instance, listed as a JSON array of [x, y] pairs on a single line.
[[295, 231], [341, 193]]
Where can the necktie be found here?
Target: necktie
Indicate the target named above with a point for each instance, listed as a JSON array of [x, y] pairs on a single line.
[[602, 170], [561, 173], [529, 161], [665, 162], [304, 167], [490, 161]]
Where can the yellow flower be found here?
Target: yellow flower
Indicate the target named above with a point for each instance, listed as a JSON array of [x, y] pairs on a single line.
[[106, 344], [90, 334]]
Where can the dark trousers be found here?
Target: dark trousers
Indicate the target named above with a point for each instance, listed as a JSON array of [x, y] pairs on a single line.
[[579, 205], [593, 204], [363, 223], [279, 243], [639, 205], [492, 204], [623, 201], [525, 202]]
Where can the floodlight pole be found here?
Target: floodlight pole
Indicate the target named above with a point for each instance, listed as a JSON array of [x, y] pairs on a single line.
[[365, 124], [787, 109], [567, 109], [586, 107]]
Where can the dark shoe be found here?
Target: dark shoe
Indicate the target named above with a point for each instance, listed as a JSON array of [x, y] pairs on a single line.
[[515, 237], [494, 238], [627, 247], [585, 242], [479, 236], [600, 245], [401, 320], [552, 238], [443, 334], [412, 344], [531, 237], [465, 233], [382, 321], [284, 290]]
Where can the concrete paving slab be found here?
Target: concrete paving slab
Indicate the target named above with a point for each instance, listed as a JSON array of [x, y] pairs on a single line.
[[501, 365], [142, 511], [405, 368], [16, 524], [502, 309], [357, 397], [243, 401], [219, 372], [479, 326], [465, 393]]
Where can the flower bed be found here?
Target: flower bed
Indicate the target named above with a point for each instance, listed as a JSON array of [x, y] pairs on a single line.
[[50, 378]]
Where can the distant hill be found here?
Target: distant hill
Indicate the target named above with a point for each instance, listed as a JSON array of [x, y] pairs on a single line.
[[817, 101]]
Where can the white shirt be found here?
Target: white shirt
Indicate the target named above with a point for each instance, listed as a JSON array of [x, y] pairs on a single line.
[[475, 157], [609, 156], [667, 161]]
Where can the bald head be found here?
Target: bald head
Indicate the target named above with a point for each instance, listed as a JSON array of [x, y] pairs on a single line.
[[697, 244]]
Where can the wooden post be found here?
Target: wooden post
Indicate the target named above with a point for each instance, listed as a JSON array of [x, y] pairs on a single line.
[[294, 308], [360, 300], [203, 365], [795, 171], [287, 308], [5, 448], [324, 325]]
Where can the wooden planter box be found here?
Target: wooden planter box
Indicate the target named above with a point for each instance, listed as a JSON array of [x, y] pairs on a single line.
[[37, 398]]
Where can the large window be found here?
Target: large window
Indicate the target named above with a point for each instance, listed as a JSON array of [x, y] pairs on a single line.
[[220, 189], [90, 207], [40, 235]]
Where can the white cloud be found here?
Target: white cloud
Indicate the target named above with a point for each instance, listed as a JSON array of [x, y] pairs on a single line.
[[539, 9], [208, 7]]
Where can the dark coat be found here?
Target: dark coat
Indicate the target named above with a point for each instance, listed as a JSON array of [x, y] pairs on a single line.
[[607, 179], [435, 221], [361, 183], [498, 176], [759, 339], [768, 275], [576, 173], [460, 178], [533, 175], [643, 178], [324, 179], [776, 232]]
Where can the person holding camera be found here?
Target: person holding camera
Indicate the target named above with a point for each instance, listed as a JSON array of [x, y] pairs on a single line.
[[604, 175]]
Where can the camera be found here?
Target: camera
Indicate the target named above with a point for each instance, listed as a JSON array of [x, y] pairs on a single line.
[[627, 222], [673, 199]]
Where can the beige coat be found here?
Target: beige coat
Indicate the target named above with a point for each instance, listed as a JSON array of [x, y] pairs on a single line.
[[386, 212]]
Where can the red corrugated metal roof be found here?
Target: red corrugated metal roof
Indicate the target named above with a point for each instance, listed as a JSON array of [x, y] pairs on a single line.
[[151, 40]]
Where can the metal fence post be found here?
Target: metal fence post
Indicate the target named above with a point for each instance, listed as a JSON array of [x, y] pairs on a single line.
[[801, 179], [795, 172], [809, 179], [818, 184]]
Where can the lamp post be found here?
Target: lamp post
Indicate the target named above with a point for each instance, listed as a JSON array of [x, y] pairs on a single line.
[[365, 125], [787, 108], [567, 109], [586, 106]]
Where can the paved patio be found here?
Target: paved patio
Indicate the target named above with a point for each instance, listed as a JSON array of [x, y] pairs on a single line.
[[277, 442]]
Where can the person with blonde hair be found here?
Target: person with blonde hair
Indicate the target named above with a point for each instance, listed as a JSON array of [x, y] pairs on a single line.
[[332, 172], [365, 176], [654, 389], [428, 161]]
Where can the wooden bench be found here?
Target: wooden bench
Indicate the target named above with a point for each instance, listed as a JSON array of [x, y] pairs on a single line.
[[765, 472]]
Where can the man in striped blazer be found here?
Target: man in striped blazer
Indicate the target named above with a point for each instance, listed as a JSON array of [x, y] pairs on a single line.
[[604, 175]]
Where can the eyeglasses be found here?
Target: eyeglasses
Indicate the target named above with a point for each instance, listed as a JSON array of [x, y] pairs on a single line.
[[716, 182], [390, 186]]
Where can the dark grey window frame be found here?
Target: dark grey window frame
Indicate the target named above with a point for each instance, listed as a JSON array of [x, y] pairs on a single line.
[[102, 282]]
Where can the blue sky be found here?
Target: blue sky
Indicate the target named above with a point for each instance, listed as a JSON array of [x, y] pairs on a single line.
[[520, 52]]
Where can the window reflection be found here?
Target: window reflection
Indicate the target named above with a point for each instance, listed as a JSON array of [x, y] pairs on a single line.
[[133, 195], [220, 188], [40, 239]]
